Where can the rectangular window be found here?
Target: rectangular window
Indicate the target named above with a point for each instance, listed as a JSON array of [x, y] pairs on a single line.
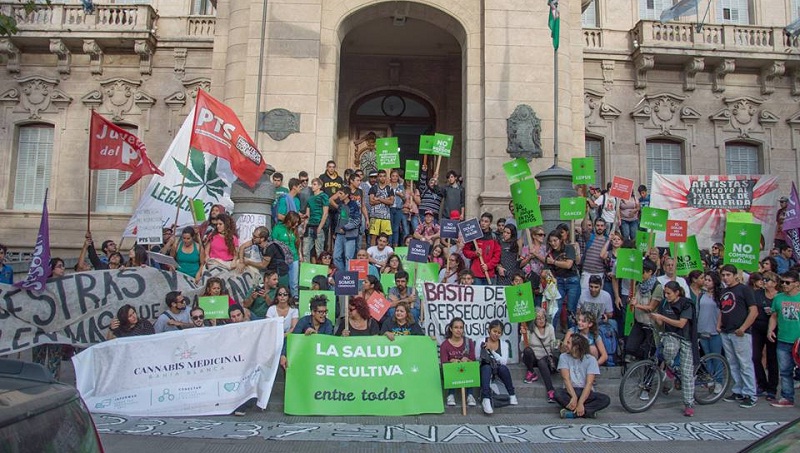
[[203, 8], [663, 157], [652, 9], [795, 10], [594, 149], [742, 159], [107, 197], [589, 17], [34, 161], [733, 12]]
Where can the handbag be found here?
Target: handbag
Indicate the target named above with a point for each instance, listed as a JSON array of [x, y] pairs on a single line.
[[487, 358], [552, 361]]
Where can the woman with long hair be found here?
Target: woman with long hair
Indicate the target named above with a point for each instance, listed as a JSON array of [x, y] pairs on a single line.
[[579, 370], [284, 308], [534, 255], [189, 254], [561, 260], [697, 282], [360, 323], [438, 255], [128, 324], [509, 255], [707, 315], [540, 337], [137, 256], [767, 379], [768, 264], [494, 362], [457, 348], [223, 242], [449, 273], [401, 323], [208, 227], [215, 286], [371, 284], [286, 232], [587, 327], [393, 265]]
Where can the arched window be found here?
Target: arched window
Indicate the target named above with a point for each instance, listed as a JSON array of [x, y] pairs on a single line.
[[594, 149], [742, 159], [34, 162], [664, 157], [107, 197]]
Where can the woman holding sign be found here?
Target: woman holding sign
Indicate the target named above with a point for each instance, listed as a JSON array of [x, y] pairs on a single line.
[[457, 348], [359, 322], [561, 260]]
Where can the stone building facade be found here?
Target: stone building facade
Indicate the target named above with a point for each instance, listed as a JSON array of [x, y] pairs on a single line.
[[636, 94]]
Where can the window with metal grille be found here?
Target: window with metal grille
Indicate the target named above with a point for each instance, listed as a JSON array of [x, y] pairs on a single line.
[[589, 17], [663, 157], [594, 149], [742, 159], [34, 161], [107, 197]]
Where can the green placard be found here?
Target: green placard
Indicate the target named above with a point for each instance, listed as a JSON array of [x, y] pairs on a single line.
[[583, 170], [743, 245], [308, 271], [427, 272], [645, 241], [412, 170], [214, 307], [426, 144], [629, 264], [402, 252], [654, 218], [526, 204], [519, 300], [383, 145], [442, 145], [330, 375], [198, 211], [388, 160], [458, 375], [573, 208], [304, 302], [687, 256], [629, 319], [517, 170], [739, 217]]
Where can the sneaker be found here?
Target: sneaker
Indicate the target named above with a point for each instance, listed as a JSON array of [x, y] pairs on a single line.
[[688, 412], [771, 397], [239, 413], [529, 377], [487, 406], [512, 400], [748, 402], [566, 414], [733, 398], [471, 401], [551, 396], [451, 400], [717, 388], [783, 402], [591, 414], [644, 396]]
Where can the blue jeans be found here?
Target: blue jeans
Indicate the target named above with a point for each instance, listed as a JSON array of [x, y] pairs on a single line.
[[343, 249], [397, 219], [481, 281], [294, 278], [486, 377], [739, 352], [713, 345], [571, 289], [629, 228], [785, 367], [410, 225]]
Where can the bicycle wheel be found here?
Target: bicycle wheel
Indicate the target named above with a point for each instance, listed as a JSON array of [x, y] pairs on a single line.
[[712, 377], [640, 386]]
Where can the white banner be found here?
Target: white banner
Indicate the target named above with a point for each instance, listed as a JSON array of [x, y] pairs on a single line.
[[203, 176], [77, 308], [476, 305], [193, 372]]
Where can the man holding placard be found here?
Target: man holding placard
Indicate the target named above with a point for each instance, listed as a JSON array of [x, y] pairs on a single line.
[[484, 252]]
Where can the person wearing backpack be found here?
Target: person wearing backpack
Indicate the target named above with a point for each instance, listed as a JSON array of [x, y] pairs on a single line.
[[275, 255], [494, 360]]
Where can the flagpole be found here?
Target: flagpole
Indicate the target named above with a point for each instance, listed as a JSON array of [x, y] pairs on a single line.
[[89, 166]]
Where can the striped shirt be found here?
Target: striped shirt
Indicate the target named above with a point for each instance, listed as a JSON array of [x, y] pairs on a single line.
[[592, 263]]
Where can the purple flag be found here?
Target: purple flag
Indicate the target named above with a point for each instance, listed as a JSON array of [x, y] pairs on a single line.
[[791, 220], [40, 264], [793, 239]]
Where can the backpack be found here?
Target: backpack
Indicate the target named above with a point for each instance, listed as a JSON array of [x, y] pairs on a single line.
[[608, 335], [500, 396], [288, 258]]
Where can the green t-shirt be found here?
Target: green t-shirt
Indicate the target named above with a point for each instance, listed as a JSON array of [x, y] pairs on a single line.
[[283, 208], [788, 310], [315, 205], [260, 305], [280, 233]]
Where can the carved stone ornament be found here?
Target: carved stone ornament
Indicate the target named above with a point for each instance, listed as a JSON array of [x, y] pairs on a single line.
[[180, 54], [189, 91], [118, 97], [11, 52], [37, 94], [95, 52], [665, 112], [743, 116], [61, 51], [279, 123], [524, 130], [595, 111]]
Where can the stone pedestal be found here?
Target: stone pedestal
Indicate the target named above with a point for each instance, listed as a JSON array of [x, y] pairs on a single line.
[[554, 183], [253, 207]]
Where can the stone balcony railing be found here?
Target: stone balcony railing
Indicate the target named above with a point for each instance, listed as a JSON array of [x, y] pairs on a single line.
[[60, 18]]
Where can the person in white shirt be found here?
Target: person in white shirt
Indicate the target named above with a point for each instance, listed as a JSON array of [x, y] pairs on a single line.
[[597, 301], [378, 254], [671, 276]]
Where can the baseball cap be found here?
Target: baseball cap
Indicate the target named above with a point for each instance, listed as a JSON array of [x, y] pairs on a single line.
[[373, 173], [455, 214], [783, 199], [429, 212]]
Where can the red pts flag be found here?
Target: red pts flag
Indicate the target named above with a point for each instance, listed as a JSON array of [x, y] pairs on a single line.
[[112, 147], [218, 131]]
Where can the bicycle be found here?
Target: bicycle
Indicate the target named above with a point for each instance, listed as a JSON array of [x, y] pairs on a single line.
[[642, 382]]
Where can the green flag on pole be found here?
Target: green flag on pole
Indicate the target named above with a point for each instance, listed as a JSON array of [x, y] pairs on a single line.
[[554, 22], [743, 245], [687, 256], [654, 218], [526, 204], [629, 264]]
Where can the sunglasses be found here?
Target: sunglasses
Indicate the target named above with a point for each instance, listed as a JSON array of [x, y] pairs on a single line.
[[538, 234], [196, 318], [321, 312], [787, 282], [766, 280], [282, 294]]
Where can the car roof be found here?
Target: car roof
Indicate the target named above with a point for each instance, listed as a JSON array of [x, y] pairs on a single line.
[[27, 389]]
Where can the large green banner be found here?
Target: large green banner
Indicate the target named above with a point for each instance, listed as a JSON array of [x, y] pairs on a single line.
[[526, 204], [330, 375], [743, 245]]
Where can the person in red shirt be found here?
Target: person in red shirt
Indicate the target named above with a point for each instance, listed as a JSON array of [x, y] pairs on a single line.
[[486, 256]]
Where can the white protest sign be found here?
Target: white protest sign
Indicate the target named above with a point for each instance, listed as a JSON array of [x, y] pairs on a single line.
[[148, 227], [246, 223], [476, 305], [192, 372]]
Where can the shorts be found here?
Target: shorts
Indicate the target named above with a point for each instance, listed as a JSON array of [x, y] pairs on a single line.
[[378, 226]]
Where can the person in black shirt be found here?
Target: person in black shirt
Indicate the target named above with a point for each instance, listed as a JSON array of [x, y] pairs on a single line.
[[738, 312]]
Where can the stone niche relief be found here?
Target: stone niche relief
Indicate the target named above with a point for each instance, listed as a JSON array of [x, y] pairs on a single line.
[[36, 96], [665, 113], [742, 117], [596, 112], [118, 98], [180, 103]]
